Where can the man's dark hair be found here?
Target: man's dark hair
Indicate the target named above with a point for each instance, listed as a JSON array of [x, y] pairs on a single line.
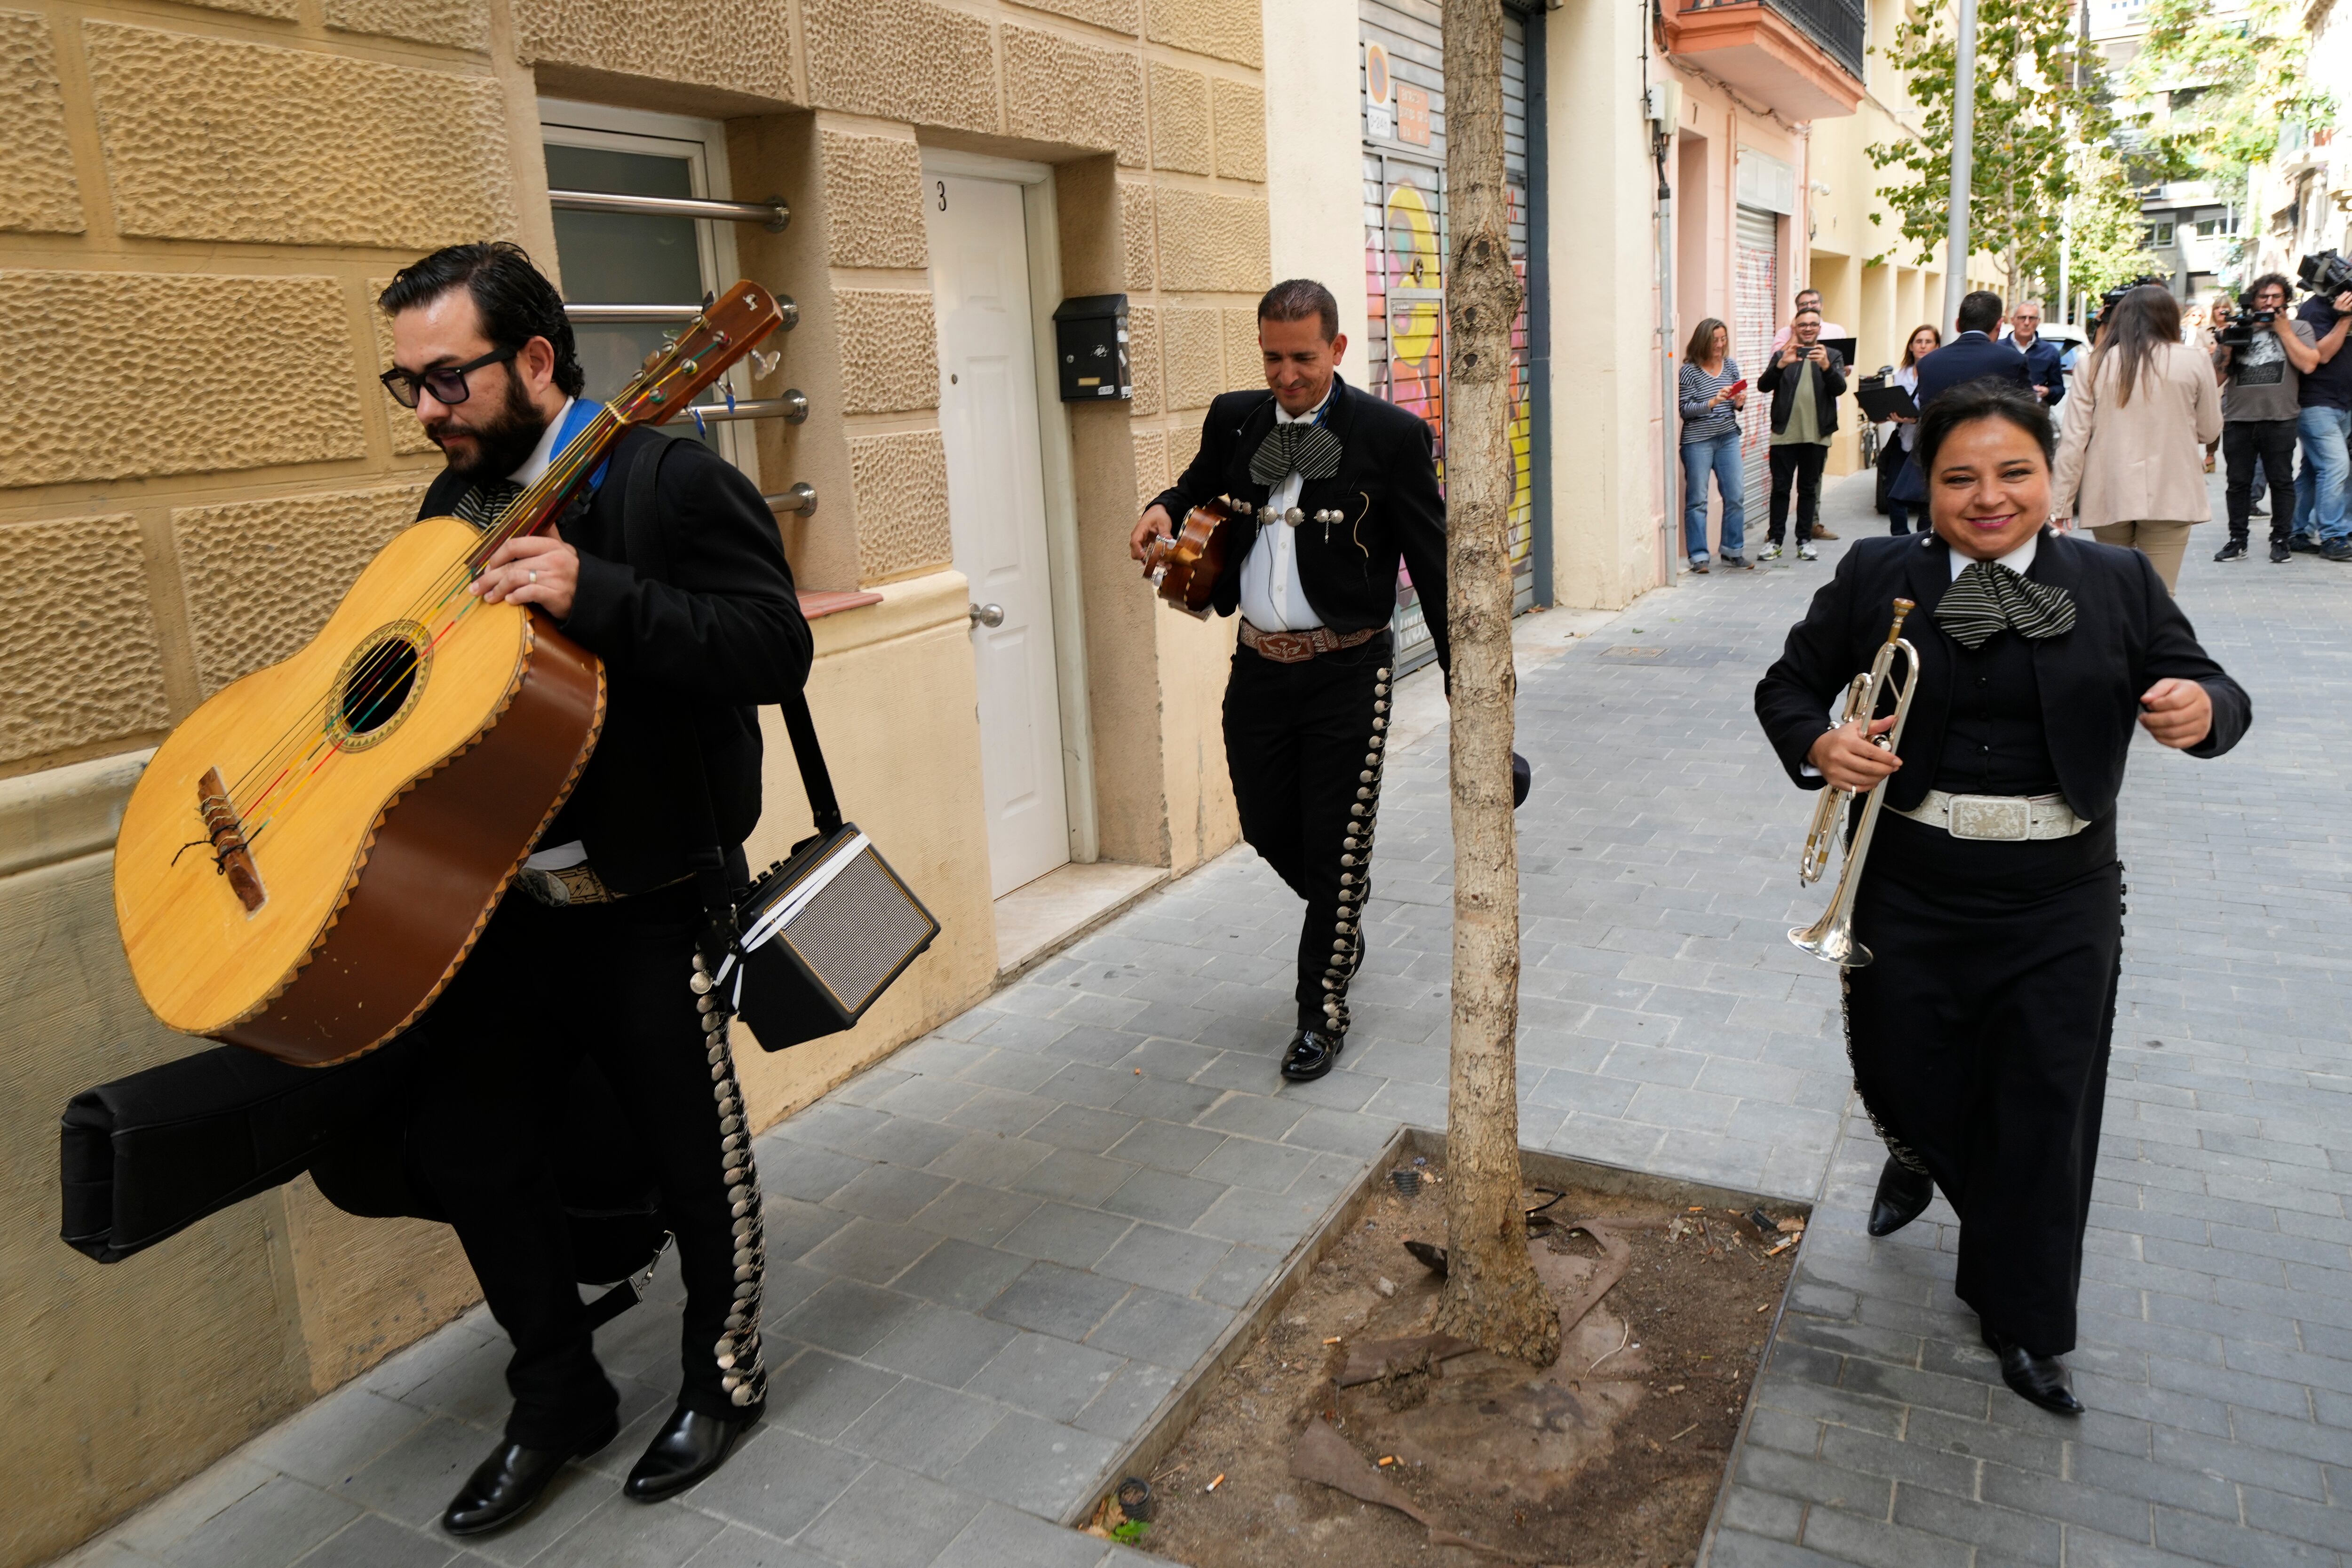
[[1982, 399], [2286, 288], [1801, 294], [515, 300], [1296, 299], [1813, 311], [1979, 312]]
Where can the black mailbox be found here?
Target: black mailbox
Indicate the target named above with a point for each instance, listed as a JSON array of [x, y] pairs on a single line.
[[1090, 347]]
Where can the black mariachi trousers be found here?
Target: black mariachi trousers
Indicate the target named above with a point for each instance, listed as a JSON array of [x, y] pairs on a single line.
[[1305, 744], [1980, 1043], [543, 987]]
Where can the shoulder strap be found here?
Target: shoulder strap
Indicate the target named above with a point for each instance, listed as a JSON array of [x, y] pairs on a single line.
[[640, 539]]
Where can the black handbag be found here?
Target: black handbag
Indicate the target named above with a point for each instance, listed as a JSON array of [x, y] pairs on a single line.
[[819, 936]]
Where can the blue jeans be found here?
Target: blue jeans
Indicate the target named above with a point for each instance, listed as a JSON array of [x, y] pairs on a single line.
[[1719, 455], [2323, 487]]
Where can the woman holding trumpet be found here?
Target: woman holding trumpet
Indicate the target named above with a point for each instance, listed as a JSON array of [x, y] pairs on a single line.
[[1991, 903]]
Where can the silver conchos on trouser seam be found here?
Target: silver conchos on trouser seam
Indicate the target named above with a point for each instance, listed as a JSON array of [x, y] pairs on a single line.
[[741, 1373], [1355, 867]]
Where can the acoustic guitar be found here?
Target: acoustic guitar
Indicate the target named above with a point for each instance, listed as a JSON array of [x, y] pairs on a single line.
[[1185, 569], [312, 853]]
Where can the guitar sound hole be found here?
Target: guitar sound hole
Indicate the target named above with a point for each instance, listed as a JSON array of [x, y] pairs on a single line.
[[380, 689], [379, 683]]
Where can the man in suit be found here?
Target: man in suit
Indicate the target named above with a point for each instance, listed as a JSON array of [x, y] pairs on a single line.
[[1971, 355], [1991, 900], [593, 954], [2042, 373], [1337, 489]]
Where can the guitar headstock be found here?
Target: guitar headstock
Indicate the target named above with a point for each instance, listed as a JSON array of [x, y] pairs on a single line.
[[700, 355]]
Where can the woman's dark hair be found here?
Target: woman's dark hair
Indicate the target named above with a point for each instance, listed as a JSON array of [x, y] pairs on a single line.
[[1298, 299], [517, 301], [1702, 341], [1972, 400], [1909, 359], [2142, 319]]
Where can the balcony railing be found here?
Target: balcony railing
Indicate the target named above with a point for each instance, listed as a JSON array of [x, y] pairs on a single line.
[[1839, 26]]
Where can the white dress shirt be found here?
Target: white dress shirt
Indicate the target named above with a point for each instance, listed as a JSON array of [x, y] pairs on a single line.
[[1273, 598], [544, 453], [2017, 560]]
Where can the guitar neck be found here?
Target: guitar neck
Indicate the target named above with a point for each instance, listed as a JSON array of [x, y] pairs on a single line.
[[544, 500]]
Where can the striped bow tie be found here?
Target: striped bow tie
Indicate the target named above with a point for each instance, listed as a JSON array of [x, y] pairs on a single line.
[[1987, 596], [481, 504], [1307, 450]]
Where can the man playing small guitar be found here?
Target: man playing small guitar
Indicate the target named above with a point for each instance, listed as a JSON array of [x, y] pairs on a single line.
[[592, 953], [1333, 487]]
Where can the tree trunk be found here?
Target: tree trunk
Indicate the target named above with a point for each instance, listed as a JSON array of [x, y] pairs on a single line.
[[1492, 1295]]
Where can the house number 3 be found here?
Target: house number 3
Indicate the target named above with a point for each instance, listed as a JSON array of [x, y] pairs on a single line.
[[943, 195]]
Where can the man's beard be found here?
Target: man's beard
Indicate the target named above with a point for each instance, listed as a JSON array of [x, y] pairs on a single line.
[[502, 444]]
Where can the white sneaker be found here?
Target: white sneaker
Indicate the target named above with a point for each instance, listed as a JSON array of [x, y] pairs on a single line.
[[1769, 552], [1807, 552]]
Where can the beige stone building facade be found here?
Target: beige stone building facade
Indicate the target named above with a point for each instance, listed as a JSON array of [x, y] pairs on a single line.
[[198, 204]]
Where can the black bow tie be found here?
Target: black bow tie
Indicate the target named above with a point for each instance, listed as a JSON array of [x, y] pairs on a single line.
[[1987, 597], [1307, 450]]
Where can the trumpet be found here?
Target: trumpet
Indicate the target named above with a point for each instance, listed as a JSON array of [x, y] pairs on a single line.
[[1831, 936]]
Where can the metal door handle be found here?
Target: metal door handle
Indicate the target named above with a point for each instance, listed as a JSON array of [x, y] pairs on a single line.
[[988, 615]]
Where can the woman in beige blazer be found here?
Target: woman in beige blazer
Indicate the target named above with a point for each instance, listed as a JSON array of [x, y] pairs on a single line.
[[2131, 465]]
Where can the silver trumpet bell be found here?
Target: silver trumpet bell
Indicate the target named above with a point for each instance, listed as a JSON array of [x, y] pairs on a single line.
[[1831, 936]]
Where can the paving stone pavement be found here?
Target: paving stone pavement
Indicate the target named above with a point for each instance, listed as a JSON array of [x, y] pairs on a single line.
[[992, 1256]]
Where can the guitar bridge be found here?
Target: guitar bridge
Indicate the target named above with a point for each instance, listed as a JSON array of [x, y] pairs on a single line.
[[230, 855]]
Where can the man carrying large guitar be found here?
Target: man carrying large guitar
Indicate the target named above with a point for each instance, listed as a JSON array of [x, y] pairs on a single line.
[[593, 951], [1331, 488]]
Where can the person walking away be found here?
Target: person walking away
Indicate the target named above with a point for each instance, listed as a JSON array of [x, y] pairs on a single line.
[[2260, 387], [1992, 900], [2044, 372], [1712, 394], [2130, 466], [1924, 341], [1804, 381], [2323, 487]]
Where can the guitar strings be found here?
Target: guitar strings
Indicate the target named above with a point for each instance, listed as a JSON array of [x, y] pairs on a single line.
[[290, 752]]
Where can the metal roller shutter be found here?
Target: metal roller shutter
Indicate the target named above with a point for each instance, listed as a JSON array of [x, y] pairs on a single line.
[[1756, 317]]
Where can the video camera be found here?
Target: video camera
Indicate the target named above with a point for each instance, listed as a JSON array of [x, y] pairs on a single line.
[[2240, 332], [2107, 301], [2326, 273]]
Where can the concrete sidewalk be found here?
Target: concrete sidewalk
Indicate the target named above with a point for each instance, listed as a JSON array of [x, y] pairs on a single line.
[[994, 1256]]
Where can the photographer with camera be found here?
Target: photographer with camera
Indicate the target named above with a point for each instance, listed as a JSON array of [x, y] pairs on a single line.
[[2261, 379], [1804, 380], [2323, 491]]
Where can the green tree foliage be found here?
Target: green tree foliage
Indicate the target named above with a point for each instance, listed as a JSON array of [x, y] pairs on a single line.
[[2037, 131], [2231, 85], [2103, 227]]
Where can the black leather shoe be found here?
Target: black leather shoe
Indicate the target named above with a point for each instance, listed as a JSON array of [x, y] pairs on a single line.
[[1903, 1196], [1311, 1055], [690, 1446], [2039, 1378], [504, 1486]]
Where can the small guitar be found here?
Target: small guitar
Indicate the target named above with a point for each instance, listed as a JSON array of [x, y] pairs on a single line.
[[311, 854], [1185, 569]]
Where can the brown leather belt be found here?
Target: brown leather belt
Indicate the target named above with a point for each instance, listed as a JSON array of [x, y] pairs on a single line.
[[1298, 647]]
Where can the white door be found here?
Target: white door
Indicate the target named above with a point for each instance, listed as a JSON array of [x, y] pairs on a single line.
[[997, 509]]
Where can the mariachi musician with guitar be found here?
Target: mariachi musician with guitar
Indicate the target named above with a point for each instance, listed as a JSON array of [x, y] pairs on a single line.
[[1296, 512], [480, 832]]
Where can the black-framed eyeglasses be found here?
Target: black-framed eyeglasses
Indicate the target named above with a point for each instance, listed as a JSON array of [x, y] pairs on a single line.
[[446, 383]]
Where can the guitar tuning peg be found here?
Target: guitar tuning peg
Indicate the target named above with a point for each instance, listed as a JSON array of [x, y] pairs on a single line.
[[764, 364], [709, 297]]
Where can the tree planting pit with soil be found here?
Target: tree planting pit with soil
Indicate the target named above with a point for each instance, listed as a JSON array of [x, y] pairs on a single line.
[[1340, 1420]]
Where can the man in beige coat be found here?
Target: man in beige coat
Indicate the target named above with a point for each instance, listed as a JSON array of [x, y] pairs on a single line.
[[2131, 463]]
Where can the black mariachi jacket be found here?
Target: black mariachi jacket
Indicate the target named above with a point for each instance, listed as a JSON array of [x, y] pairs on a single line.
[[1386, 488], [721, 635], [2128, 634]]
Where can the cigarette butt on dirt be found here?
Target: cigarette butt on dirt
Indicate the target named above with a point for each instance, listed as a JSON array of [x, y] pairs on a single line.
[[1695, 1208], [1333, 1340], [1387, 1460], [1215, 1484], [1765, 1307]]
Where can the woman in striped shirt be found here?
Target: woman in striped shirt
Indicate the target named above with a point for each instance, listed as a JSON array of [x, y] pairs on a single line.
[[1710, 409]]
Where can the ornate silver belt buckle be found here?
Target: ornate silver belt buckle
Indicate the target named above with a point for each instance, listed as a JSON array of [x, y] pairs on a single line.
[[2003, 817]]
